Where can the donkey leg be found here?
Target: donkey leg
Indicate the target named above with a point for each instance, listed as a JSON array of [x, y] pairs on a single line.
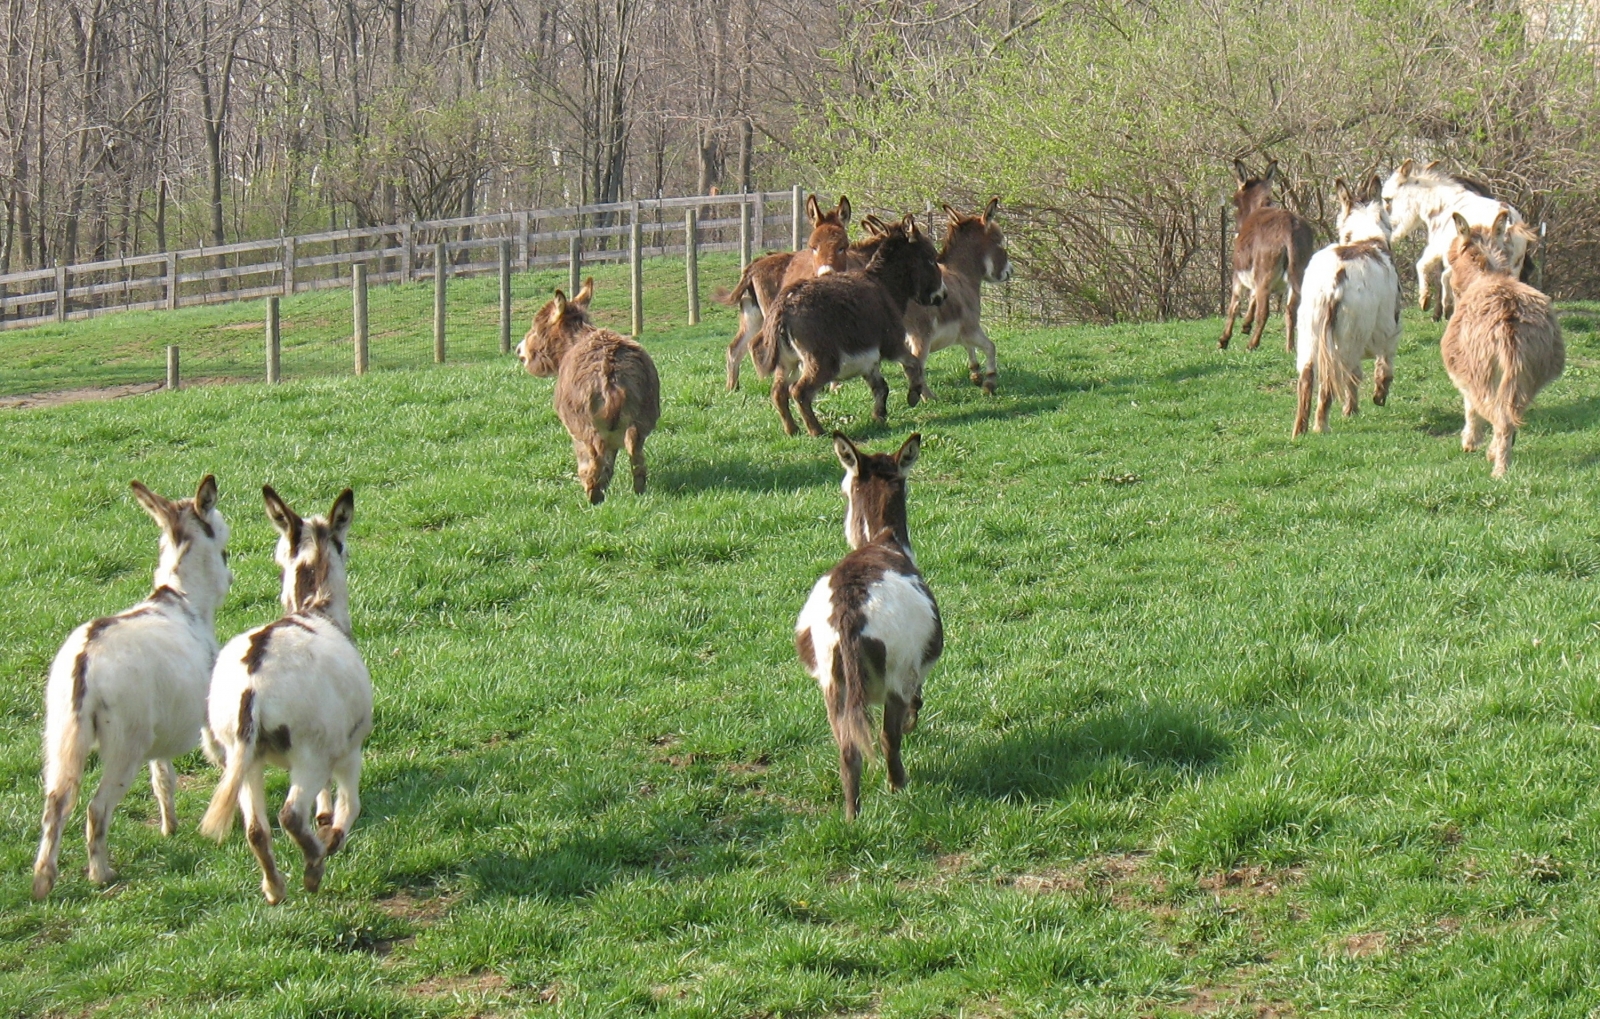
[[58, 803], [163, 781], [1382, 376], [780, 400], [917, 388], [1505, 434], [1291, 311], [894, 719], [305, 782], [118, 767], [1471, 431], [1261, 306], [1423, 267], [850, 780], [347, 772], [324, 808], [1302, 411], [1324, 401], [738, 347], [1352, 393], [991, 377], [880, 391], [634, 439], [1233, 312], [805, 388], [258, 832]]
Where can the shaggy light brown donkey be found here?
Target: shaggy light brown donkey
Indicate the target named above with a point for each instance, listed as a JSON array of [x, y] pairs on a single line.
[[607, 391], [1502, 344]]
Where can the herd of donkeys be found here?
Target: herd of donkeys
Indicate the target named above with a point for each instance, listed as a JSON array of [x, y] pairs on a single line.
[[149, 683]]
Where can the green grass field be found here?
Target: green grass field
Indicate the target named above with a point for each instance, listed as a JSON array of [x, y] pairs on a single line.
[[1226, 725]]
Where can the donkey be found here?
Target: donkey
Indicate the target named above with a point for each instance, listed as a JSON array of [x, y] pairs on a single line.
[[870, 632], [827, 250], [843, 324], [607, 391], [974, 252], [1350, 309], [134, 684], [1502, 345], [294, 693], [1270, 251], [1424, 196]]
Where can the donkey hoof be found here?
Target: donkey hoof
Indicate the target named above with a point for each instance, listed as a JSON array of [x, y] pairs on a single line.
[[990, 384], [332, 838], [597, 497], [272, 891], [1379, 401], [1253, 344], [101, 875], [314, 872], [913, 397], [1222, 344], [43, 882]]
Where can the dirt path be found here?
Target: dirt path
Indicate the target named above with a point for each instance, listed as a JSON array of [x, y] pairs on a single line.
[[60, 397]]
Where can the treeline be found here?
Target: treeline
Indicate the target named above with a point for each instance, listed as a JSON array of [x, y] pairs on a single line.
[[1110, 126], [140, 125]]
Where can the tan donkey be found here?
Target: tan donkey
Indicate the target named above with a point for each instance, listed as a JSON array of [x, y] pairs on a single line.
[[1502, 345], [607, 391], [974, 253]]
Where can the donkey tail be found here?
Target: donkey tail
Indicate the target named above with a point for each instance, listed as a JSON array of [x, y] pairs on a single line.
[[1513, 377], [851, 729], [613, 397], [1330, 367], [765, 351], [219, 815], [65, 746], [732, 298]]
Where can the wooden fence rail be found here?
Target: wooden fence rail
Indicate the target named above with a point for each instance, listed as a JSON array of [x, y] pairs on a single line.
[[401, 253]]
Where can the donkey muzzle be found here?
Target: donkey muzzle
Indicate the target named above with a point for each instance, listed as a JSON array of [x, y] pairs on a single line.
[[938, 296]]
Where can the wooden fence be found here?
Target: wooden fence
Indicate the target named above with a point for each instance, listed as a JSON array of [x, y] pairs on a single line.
[[403, 253]]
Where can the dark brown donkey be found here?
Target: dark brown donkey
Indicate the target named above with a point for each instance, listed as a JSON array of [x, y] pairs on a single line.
[[870, 632], [974, 253], [844, 324], [1270, 250], [607, 391], [826, 251]]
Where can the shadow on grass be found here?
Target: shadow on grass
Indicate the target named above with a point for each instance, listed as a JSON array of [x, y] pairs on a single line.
[[1580, 415], [1047, 761], [697, 475]]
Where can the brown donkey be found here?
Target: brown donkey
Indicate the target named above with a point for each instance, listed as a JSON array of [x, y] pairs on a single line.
[[844, 324], [826, 251], [1502, 345], [1270, 250], [607, 391], [974, 253], [870, 632]]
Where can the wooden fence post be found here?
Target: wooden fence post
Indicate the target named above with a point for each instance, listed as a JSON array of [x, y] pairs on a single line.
[[441, 274], [1543, 253], [691, 262], [1224, 253], [408, 257], [288, 266], [522, 240], [274, 342], [795, 219], [172, 281], [172, 368], [636, 275], [358, 300], [744, 232], [574, 264], [505, 296], [61, 293]]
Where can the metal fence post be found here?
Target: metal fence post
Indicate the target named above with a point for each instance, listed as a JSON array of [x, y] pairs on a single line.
[[441, 274], [274, 344], [358, 296], [505, 296], [288, 266], [636, 275], [744, 232], [1224, 249], [691, 262], [574, 264], [795, 219], [61, 293], [172, 368]]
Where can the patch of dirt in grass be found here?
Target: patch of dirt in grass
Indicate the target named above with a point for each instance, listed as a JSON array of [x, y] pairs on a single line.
[[1251, 881], [481, 986], [1364, 946], [1230, 1000], [419, 911], [65, 396]]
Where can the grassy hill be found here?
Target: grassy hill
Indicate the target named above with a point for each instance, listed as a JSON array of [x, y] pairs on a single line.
[[1225, 725]]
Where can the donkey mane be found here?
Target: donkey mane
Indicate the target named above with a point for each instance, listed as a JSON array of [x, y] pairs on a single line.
[[1434, 175]]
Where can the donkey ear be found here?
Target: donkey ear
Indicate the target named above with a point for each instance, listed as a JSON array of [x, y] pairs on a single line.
[[1502, 221], [846, 451], [955, 217], [205, 497], [909, 223], [343, 511], [286, 520], [844, 209], [1240, 174], [1374, 188], [813, 209], [1403, 174], [1433, 164], [1346, 199], [558, 304], [161, 509], [990, 209], [906, 458], [1463, 228], [1271, 174], [585, 295]]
